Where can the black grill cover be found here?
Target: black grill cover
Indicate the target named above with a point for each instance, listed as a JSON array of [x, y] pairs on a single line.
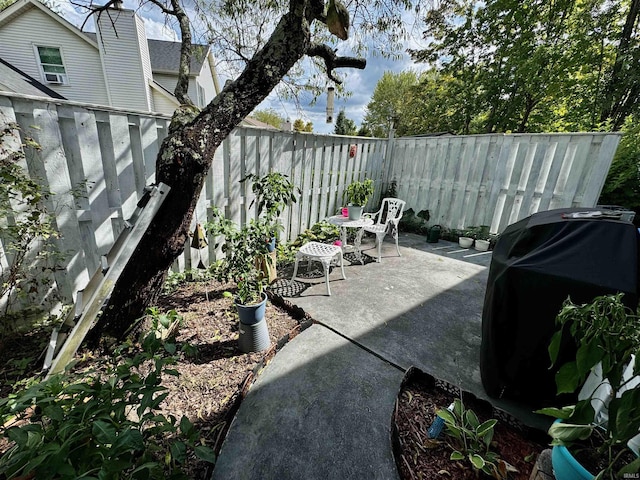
[[538, 262]]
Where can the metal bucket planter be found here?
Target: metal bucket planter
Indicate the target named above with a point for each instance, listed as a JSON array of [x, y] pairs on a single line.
[[254, 333], [355, 212]]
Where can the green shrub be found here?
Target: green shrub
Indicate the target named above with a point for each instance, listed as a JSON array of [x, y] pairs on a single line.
[[101, 424], [622, 186]]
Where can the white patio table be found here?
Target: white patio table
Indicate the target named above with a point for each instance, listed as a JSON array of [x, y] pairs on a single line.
[[344, 223]]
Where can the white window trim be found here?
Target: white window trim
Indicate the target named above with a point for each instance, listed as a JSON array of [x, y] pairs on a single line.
[[65, 76]]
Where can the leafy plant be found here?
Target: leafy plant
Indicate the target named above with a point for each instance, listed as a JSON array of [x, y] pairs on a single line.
[[471, 440], [29, 254], [478, 233], [606, 333], [101, 424], [273, 191], [241, 248], [358, 193]]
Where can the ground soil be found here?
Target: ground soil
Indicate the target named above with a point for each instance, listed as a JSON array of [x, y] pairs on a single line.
[[419, 457], [210, 387]]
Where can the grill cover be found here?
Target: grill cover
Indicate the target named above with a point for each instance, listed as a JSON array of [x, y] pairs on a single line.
[[538, 262]]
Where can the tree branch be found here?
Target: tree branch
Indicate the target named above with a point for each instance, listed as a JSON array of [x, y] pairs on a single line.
[[182, 86], [333, 61]]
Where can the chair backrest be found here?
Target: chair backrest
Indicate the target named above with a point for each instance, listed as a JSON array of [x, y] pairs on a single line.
[[391, 209]]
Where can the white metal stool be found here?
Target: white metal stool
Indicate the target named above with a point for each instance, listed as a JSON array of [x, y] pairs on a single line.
[[323, 253]]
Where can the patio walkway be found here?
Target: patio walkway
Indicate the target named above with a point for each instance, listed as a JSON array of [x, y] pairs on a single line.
[[322, 408]]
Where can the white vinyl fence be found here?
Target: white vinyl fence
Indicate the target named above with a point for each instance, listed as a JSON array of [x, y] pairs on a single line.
[[97, 161], [499, 179]]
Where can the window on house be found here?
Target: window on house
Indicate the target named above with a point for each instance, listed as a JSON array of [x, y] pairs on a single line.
[[52, 66], [200, 93]]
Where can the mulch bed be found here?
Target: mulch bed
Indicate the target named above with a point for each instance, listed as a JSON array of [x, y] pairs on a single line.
[[211, 385], [418, 457]]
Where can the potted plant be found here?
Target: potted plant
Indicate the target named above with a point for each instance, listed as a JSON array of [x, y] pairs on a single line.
[[358, 194], [465, 240], [273, 192], [243, 248], [481, 236], [605, 421]]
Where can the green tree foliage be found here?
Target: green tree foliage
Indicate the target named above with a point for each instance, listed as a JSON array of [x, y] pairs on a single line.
[[622, 186], [364, 131], [391, 96], [344, 125], [534, 65], [269, 116], [299, 125]]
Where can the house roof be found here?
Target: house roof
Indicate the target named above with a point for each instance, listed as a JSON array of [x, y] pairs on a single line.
[[253, 122], [165, 55], [15, 80]]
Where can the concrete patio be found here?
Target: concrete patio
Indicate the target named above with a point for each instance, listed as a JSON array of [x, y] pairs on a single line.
[[322, 408]]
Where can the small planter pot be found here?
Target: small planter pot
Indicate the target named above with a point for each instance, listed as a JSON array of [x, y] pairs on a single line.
[[271, 245], [482, 245], [433, 235], [355, 212], [566, 467], [254, 333], [465, 242], [254, 313]]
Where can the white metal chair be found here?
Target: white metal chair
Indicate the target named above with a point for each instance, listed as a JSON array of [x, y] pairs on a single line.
[[323, 253], [386, 221]]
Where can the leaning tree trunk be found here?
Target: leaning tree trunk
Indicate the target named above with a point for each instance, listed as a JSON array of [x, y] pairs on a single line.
[[183, 163]]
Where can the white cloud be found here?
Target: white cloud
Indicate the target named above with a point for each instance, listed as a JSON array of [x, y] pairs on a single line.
[[160, 31]]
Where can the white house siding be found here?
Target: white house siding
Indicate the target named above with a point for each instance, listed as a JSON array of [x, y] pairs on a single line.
[[168, 81], [205, 79], [143, 48], [206, 82], [162, 104], [81, 59], [122, 62]]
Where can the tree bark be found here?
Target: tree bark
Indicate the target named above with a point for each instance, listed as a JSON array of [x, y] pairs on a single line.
[[618, 87], [185, 158]]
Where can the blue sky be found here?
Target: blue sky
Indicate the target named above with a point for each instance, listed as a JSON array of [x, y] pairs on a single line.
[[360, 83]]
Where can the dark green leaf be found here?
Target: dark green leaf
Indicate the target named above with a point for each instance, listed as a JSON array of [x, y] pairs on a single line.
[[205, 453], [567, 378]]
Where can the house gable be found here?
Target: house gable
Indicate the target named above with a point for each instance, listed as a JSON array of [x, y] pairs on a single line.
[[26, 25]]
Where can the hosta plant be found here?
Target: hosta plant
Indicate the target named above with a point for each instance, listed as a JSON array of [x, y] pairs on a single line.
[[471, 439], [102, 424]]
